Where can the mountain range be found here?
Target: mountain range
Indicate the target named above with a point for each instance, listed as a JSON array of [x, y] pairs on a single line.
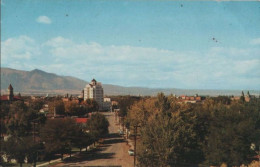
[[40, 82]]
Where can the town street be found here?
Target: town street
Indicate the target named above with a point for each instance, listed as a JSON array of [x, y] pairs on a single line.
[[113, 151]]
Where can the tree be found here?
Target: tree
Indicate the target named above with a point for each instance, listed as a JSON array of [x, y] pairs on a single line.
[[81, 138], [232, 130], [248, 94], [18, 148], [90, 105], [57, 106], [242, 97], [171, 140], [72, 108], [215, 132], [170, 132], [222, 99], [18, 124], [141, 111], [4, 111], [58, 135], [20, 118], [97, 126], [36, 104], [154, 148], [162, 103], [124, 103]]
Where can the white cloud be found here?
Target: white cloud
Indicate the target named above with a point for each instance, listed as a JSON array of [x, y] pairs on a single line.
[[59, 42], [20, 48], [44, 20], [218, 67], [255, 41], [248, 66]]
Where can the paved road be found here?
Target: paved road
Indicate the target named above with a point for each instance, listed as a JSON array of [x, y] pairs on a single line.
[[113, 152]]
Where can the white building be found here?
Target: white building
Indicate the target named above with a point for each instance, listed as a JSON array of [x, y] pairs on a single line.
[[94, 90]]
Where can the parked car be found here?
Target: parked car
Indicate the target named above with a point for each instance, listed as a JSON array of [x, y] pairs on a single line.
[[131, 152]]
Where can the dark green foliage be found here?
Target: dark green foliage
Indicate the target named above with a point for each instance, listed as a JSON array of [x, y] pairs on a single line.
[[171, 140], [57, 106], [4, 111], [73, 108], [37, 104], [58, 135], [242, 97], [18, 148], [162, 103], [232, 131], [20, 118], [18, 124], [98, 126], [215, 132], [90, 105], [81, 138], [124, 103], [222, 99]]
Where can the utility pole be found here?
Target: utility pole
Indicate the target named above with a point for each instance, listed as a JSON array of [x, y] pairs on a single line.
[[135, 131], [123, 120], [135, 134], [34, 152], [116, 115]]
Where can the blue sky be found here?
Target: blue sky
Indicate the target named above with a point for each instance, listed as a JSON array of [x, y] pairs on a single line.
[[163, 44]]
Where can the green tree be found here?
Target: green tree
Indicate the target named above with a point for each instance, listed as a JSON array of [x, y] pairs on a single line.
[[155, 143], [4, 111], [58, 135], [162, 103], [36, 104], [71, 108], [222, 99], [18, 148], [214, 132], [242, 97], [18, 125], [97, 126], [20, 118], [171, 140], [232, 130], [57, 106], [124, 103], [81, 138], [90, 105]]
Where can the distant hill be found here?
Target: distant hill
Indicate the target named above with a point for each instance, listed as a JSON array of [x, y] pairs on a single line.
[[37, 81], [40, 82]]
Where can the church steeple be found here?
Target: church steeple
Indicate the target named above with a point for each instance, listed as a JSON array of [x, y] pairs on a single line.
[[10, 92]]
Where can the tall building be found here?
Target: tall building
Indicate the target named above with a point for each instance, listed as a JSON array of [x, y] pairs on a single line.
[[94, 90]]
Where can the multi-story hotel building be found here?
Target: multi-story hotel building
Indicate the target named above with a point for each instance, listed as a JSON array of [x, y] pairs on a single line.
[[94, 90]]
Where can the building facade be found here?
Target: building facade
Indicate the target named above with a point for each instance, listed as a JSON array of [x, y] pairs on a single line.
[[94, 90], [107, 104]]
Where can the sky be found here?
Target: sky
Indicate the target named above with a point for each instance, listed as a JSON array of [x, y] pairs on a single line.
[[155, 44]]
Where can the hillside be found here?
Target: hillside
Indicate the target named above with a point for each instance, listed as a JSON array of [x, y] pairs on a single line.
[[40, 82], [37, 81]]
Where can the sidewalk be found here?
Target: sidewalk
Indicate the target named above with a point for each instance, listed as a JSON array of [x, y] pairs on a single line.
[[59, 159]]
